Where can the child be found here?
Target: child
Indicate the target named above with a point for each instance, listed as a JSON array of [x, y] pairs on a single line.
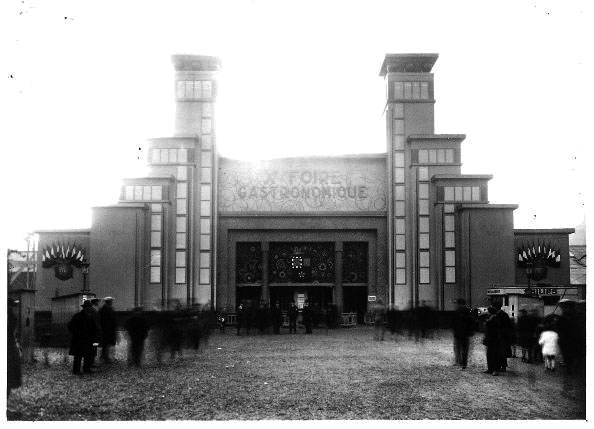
[[549, 342]]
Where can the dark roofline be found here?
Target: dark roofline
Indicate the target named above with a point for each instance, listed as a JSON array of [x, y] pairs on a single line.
[[487, 206], [437, 177], [126, 205], [408, 63], [50, 231], [545, 231], [459, 137]]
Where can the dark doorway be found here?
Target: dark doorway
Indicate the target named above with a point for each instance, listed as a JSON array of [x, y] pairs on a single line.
[[355, 301], [249, 295]]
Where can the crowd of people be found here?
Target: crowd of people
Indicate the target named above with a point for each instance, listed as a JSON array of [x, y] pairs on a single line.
[[96, 325]]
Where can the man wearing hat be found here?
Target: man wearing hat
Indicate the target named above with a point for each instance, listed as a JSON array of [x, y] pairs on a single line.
[[85, 333], [108, 323]]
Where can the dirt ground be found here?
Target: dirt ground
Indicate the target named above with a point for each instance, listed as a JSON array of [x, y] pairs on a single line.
[[336, 374]]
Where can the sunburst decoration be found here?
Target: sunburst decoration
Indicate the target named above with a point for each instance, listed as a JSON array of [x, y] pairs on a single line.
[[537, 252], [63, 253]]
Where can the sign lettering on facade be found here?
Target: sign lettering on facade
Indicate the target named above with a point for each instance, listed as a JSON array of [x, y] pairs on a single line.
[[304, 185]]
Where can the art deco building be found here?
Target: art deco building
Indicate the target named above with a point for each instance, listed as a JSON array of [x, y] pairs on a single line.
[[404, 226]]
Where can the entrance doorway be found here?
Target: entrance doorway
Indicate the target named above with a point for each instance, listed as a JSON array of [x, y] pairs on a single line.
[[318, 296], [355, 301]]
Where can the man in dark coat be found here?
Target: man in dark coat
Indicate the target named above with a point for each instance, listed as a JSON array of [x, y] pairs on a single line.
[[277, 318], [85, 334], [307, 317], [108, 323], [462, 328], [292, 313], [491, 340], [506, 332], [137, 328], [240, 318]]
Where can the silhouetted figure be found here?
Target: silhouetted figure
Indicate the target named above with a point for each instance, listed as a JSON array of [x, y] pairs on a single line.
[[506, 331], [379, 311], [331, 316], [491, 341], [13, 359], [137, 328], [85, 333], [462, 328], [194, 330], [292, 313], [277, 318], [525, 333], [424, 319], [241, 319], [262, 317], [109, 325], [569, 330], [307, 317]]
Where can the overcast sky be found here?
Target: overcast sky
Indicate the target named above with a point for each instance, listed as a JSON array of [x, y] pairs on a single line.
[[87, 83]]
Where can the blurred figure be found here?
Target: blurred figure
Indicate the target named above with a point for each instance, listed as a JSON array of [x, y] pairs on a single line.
[[292, 313], [505, 338], [462, 328], [108, 323], [138, 329], [537, 351], [567, 328], [524, 331], [307, 317], [277, 318], [240, 318], [331, 316], [549, 342], [424, 320], [95, 315], [262, 317], [379, 320], [13, 358], [194, 330], [222, 321], [491, 341], [85, 335]]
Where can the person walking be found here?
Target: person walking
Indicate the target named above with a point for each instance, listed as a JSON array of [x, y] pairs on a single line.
[[138, 329], [292, 313], [491, 341], [85, 335], [109, 325], [549, 341], [462, 328], [307, 317]]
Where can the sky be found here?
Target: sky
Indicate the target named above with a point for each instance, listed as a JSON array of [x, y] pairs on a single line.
[[88, 82]]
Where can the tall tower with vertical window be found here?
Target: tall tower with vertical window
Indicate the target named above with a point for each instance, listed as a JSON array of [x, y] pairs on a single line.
[[409, 110], [182, 249]]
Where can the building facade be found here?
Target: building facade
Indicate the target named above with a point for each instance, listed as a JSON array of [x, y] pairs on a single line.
[[403, 226]]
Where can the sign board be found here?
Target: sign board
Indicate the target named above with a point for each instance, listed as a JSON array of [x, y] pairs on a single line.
[[371, 298]]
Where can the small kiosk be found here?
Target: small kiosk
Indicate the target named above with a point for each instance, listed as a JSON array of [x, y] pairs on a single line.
[[544, 298]]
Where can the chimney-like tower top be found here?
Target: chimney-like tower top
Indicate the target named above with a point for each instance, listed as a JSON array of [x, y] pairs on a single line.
[[196, 63], [408, 63]]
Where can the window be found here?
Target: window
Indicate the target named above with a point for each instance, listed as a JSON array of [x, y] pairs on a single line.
[[448, 208], [180, 240], [205, 260], [448, 222], [400, 259], [156, 239], [204, 225], [205, 241], [467, 193], [399, 208], [424, 259], [182, 190], [423, 207], [398, 127], [205, 175], [425, 90], [423, 156], [129, 193], [181, 206], [399, 192], [400, 242], [399, 226], [423, 224], [450, 275], [423, 190], [399, 159], [204, 276], [424, 275], [155, 266], [449, 239], [180, 224], [398, 110], [450, 258], [398, 90], [423, 173], [400, 276], [206, 160], [476, 193], [182, 173], [423, 241], [398, 141], [156, 193], [193, 89], [399, 175], [205, 208]]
